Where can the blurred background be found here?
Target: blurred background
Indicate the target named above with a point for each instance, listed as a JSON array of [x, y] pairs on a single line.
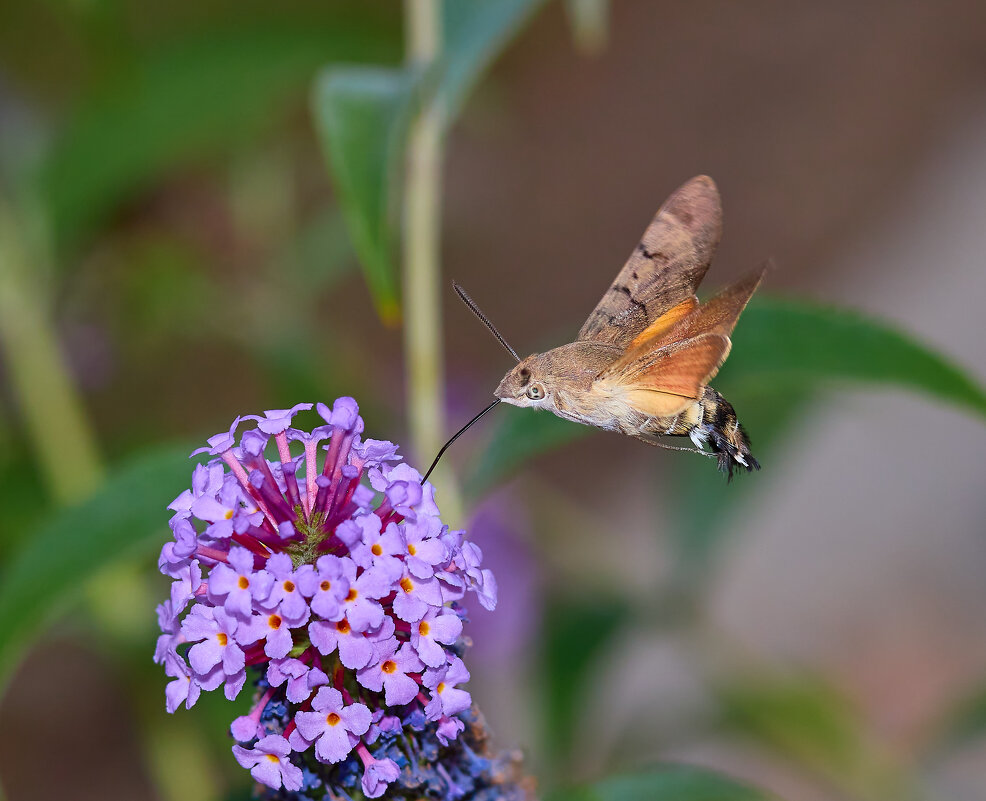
[[174, 252]]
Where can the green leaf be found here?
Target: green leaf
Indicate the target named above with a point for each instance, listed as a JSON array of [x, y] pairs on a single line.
[[124, 518], [193, 97], [474, 32], [706, 501], [963, 724], [576, 631], [664, 783], [781, 350], [806, 720], [785, 340], [363, 114]]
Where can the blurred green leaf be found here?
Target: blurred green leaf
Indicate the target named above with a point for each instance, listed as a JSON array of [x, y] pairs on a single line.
[[785, 340], [363, 114], [706, 502], [965, 723], [576, 631], [192, 97], [781, 349], [663, 783], [805, 719], [124, 518], [474, 33]]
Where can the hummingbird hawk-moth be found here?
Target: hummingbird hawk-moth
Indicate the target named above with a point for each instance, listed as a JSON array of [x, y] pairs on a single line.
[[642, 362]]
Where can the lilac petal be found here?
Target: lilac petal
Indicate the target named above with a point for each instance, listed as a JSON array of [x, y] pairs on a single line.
[[449, 729], [357, 718], [205, 655], [377, 775], [221, 442], [364, 614], [245, 728], [399, 688], [323, 636], [445, 628], [279, 643], [430, 652], [409, 608], [310, 724], [234, 684], [335, 743]]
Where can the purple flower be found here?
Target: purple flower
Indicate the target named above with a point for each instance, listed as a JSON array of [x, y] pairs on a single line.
[[175, 556], [333, 727], [183, 588], [445, 698], [326, 585], [237, 585], [390, 673], [317, 588], [435, 627], [356, 648], [213, 632], [301, 679], [221, 442], [269, 764], [424, 551], [377, 773], [360, 603], [277, 420], [285, 597], [270, 627], [415, 597], [373, 546]]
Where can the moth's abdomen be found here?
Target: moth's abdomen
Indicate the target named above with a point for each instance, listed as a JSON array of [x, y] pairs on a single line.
[[721, 429]]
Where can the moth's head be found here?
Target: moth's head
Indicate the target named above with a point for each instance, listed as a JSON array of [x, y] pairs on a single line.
[[525, 384]]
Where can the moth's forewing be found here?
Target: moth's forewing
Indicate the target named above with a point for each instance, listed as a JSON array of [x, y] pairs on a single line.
[[664, 269]]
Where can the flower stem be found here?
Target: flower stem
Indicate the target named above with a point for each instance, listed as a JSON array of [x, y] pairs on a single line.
[[422, 256], [50, 407]]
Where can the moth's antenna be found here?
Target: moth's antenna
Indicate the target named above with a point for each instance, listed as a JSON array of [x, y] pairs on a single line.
[[486, 320], [455, 436]]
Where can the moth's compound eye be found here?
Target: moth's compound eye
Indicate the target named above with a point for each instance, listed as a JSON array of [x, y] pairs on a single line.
[[535, 392]]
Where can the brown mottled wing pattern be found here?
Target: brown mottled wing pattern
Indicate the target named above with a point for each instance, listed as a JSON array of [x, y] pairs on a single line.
[[664, 269]]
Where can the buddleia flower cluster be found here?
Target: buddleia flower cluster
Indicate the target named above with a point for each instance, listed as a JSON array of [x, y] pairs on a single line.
[[326, 579]]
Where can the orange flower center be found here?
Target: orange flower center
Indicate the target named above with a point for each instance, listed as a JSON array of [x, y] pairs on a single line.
[[390, 666], [441, 687], [273, 758], [333, 719], [325, 586], [411, 549], [274, 621], [376, 550], [229, 514], [406, 584], [352, 594], [343, 626], [423, 628], [289, 586], [243, 583], [222, 639]]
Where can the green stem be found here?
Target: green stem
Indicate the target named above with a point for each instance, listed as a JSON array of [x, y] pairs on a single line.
[[50, 407], [422, 258]]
